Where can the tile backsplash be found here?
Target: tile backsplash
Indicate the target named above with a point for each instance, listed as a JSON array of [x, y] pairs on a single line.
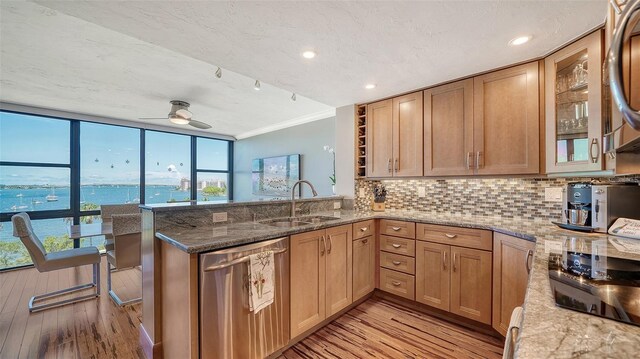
[[505, 197]]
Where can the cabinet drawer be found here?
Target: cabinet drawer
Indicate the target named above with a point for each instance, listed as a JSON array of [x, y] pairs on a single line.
[[362, 229], [457, 236], [397, 283], [398, 245], [397, 262], [398, 228]]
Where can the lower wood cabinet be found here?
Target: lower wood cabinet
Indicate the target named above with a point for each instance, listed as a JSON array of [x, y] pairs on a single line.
[[364, 267], [454, 279], [320, 272], [511, 265]]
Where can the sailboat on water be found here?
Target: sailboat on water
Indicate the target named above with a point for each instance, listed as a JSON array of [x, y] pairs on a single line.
[[52, 196]]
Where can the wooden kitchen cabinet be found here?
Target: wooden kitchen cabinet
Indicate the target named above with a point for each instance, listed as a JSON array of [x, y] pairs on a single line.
[[394, 137], [338, 268], [573, 105], [308, 281], [364, 267], [506, 119], [320, 275], [380, 139], [511, 265], [448, 129], [433, 274], [471, 284]]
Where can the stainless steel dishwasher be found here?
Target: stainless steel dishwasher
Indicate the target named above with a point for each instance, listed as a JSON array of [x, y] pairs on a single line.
[[227, 328]]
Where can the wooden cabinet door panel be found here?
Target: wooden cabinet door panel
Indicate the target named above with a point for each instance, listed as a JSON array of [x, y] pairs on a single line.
[[398, 262], [338, 269], [511, 259], [380, 139], [506, 119], [307, 275], [448, 129], [398, 283], [363, 229], [456, 236], [364, 267], [433, 274], [406, 247], [407, 129], [398, 228], [471, 284]]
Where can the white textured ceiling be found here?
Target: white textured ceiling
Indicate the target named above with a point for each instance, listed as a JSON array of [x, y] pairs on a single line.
[[400, 46]]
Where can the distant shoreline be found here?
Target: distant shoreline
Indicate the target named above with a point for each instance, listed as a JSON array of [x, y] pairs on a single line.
[[33, 186]]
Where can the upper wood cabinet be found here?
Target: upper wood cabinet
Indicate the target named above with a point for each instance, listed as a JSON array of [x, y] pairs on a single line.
[[448, 129], [407, 129], [511, 265], [380, 139], [573, 105], [506, 120], [394, 137]]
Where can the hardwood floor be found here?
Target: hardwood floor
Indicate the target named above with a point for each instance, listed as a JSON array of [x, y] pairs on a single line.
[[99, 329], [381, 329], [89, 329]]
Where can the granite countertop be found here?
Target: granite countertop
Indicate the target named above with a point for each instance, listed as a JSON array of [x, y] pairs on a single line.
[[547, 331]]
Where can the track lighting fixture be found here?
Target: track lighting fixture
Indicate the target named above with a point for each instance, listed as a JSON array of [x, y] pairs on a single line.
[[219, 72], [256, 86], [293, 97]]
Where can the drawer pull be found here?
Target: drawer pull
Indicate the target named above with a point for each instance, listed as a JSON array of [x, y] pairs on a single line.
[[396, 245], [397, 263], [450, 235], [395, 283], [396, 228], [364, 241], [364, 229]]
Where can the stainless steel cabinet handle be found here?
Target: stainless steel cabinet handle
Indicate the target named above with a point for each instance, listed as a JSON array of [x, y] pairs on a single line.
[[364, 229], [616, 6], [396, 263], [454, 261], [450, 235], [395, 245], [395, 283], [468, 160], [526, 260], [389, 165], [594, 157], [364, 241], [396, 228], [444, 260], [324, 246], [330, 245], [397, 165], [478, 156]]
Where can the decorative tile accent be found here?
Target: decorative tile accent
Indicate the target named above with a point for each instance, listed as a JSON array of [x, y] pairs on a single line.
[[505, 197]]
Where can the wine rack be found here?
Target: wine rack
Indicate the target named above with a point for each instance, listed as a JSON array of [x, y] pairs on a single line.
[[361, 141]]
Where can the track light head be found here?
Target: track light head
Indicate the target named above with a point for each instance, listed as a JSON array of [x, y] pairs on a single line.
[[219, 72], [256, 86]]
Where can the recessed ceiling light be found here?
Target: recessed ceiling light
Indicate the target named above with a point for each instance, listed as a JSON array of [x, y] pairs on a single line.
[[309, 54], [519, 40], [370, 86]]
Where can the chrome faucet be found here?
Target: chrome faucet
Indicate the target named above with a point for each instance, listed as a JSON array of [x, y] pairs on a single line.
[[293, 195]]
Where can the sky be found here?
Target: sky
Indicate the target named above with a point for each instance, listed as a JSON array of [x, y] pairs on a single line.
[[109, 154]]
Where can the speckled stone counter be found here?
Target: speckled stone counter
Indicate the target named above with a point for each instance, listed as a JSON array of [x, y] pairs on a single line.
[[547, 331]]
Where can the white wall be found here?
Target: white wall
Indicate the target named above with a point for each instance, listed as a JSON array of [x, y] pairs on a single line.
[[307, 140], [345, 151]]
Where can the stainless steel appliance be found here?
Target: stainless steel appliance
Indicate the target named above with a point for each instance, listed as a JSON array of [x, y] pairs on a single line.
[[594, 207], [591, 282], [228, 329]]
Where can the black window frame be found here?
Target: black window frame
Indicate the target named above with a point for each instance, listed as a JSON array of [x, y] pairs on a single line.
[[74, 211]]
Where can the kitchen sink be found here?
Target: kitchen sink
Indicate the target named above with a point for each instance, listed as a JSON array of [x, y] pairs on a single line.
[[297, 221]]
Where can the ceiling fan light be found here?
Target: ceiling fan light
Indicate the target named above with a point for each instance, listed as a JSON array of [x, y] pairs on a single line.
[[184, 113], [178, 120]]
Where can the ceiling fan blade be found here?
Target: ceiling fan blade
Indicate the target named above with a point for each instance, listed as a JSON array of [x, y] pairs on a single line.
[[200, 125], [152, 118]]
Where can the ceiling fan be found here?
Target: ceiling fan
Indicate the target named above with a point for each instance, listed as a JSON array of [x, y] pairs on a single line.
[[180, 115]]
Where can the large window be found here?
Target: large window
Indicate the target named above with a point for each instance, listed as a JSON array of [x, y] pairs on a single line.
[[60, 171], [168, 167]]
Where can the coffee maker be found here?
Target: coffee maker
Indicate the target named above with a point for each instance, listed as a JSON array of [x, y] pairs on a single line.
[[594, 206]]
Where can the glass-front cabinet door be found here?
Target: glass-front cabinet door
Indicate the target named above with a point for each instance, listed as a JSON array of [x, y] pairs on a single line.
[[573, 89]]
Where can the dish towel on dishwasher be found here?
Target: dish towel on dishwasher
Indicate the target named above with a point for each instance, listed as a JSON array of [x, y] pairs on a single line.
[[262, 271]]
